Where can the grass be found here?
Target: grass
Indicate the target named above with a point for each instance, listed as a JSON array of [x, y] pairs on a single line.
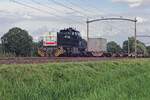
[[112, 80]]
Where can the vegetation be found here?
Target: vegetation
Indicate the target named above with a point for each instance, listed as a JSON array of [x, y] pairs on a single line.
[[148, 50], [17, 42], [113, 80], [113, 47], [141, 47], [35, 47]]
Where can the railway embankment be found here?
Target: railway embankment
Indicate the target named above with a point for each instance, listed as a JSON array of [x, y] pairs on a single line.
[[105, 80]]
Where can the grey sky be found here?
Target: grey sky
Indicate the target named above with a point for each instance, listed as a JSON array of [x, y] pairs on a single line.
[[49, 16]]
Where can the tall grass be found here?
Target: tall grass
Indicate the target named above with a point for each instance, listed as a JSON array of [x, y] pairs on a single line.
[[113, 80]]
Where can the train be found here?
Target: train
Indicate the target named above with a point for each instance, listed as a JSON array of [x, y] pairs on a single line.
[[65, 43], [69, 43]]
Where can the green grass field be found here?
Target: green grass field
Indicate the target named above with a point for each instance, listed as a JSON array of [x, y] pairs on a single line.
[[111, 80]]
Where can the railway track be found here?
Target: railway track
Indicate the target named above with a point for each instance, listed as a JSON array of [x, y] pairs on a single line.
[[38, 60]]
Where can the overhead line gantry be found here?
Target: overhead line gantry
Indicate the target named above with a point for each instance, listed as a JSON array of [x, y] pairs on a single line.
[[122, 19]]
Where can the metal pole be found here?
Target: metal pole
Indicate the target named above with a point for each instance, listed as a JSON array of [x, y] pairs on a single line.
[[128, 47], [87, 34], [135, 39]]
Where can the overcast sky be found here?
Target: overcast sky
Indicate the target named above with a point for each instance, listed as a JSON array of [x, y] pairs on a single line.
[[39, 16]]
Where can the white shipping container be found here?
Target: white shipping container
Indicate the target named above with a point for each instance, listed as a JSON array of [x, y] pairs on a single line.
[[50, 39], [97, 45]]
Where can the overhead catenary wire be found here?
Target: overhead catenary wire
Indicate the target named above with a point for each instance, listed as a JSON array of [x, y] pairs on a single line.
[[144, 36], [37, 9], [37, 2], [76, 5], [63, 5], [90, 12], [40, 10]]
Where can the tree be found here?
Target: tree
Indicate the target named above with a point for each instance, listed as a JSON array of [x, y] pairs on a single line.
[[141, 48], [131, 45], [17, 41], [113, 47], [36, 46], [148, 50]]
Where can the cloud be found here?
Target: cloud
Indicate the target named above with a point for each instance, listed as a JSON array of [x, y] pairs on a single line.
[[141, 20], [12, 14], [26, 16], [37, 22], [134, 3]]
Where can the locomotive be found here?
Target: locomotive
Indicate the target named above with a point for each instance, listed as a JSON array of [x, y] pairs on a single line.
[[68, 43]]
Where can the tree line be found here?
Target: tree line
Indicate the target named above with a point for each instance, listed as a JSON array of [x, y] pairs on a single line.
[[128, 47], [17, 42]]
